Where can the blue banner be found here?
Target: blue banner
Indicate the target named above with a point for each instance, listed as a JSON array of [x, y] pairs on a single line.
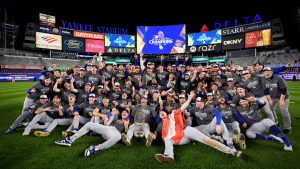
[[19, 77], [114, 40], [204, 38], [161, 39]]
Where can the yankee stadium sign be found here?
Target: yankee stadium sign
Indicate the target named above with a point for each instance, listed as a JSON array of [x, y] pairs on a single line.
[[92, 28]]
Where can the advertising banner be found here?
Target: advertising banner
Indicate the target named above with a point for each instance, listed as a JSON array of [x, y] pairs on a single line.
[[258, 38], [120, 50], [204, 38], [113, 40], [66, 32], [204, 48], [258, 26], [161, 39], [20, 67], [48, 41], [88, 35], [47, 20], [233, 30], [236, 41], [19, 77], [94, 46], [47, 29], [290, 75], [73, 44]]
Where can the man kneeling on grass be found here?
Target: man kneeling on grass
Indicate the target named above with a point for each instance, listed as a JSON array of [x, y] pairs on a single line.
[[111, 133], [175, 131]]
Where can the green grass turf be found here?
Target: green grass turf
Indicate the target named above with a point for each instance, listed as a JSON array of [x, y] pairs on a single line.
[[17, 151]]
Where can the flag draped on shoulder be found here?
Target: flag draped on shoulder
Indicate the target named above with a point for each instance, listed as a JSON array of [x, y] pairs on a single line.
[[173, 126]]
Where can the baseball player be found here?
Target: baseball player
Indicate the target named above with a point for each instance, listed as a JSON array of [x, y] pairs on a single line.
[[255, 86], [143, 115], [28, 114], [278, 93], [67, 119], [47, 113], [112, 133], [175, 131], [256, 125]]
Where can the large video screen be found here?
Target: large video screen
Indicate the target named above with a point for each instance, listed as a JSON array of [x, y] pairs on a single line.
[[234, 41], [94, 46], [48, 41], [258, 38], [204, 38], [47, 20], [114, 40], [161, 39], [73, 44]]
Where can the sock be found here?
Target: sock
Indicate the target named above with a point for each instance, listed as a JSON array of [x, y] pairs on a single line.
[[261, 137], [46, 131], [280, 134]]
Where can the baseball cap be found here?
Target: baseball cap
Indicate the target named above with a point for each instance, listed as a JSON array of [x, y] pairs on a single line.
[[155, 91], [208, 67], [209, 94], [183, 91], [137, 66], [199, 99], [182, 96], [240, 69], [117, 84], [92, 95], [88, 84], [187, 73], [115, 64], [182, 65], [245, 72], [230, 80], [267, 69], [173, 65], [100, 87], [43, 96], [82, 69]]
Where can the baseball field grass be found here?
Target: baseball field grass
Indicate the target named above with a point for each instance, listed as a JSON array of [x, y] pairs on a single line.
[[30, 152]]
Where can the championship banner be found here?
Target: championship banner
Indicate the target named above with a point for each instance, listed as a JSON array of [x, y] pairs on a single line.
[[94, 46], [258, 38], [204, 38], [47, 20], [48, 41], [113, 40], [88, 35], [161, 39], [73, 44]]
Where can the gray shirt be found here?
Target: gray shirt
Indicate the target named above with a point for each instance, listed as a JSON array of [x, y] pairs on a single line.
[[275, 87]]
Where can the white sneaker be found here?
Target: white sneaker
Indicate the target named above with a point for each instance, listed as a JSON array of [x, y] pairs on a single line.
[[288, 148]]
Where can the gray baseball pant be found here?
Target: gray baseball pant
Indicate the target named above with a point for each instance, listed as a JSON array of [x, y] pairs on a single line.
[[286, 118], [109, 133], [43, 117]]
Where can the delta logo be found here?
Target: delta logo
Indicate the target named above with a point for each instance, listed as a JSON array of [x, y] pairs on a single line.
[[203, 38], [160, 40], [120, 41], [49, 39]]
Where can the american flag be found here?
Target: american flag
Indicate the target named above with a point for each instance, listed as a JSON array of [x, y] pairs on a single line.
[[49, 39]]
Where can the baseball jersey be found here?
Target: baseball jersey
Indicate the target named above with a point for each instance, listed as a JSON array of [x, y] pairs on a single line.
[[251, 114], [275, 86]]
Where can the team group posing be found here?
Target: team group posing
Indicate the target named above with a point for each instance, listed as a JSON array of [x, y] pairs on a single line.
[[180, 103]]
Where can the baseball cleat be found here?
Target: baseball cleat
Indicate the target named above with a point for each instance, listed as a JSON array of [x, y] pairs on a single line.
[[90, 151], [235, 136], [288, 148], [237, 153], [64, 142], [149, 140], [125, 139], [41, 133], [164, 158], [242, 142]]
